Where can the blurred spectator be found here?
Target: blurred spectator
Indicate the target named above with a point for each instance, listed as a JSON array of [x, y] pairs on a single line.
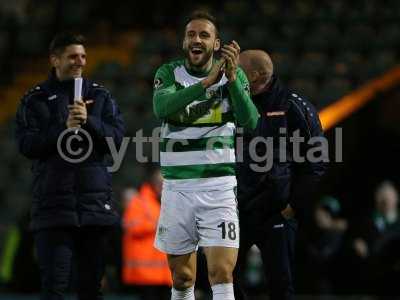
[[127, 195], [374, 240], [383, 223], [144, 267], [326, 243], [19, 271]]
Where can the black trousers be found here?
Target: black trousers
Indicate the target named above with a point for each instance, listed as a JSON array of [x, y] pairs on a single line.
[[276, 242], [58, 248], [148, 292]]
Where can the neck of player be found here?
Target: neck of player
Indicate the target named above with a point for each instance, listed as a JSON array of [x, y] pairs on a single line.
[[204, 69]]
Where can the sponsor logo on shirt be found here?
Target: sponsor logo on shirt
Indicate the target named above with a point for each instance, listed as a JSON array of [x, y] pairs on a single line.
[[157, 83], [162, 230]]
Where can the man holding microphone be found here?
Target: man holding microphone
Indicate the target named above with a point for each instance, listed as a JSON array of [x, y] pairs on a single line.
[[73, 207]]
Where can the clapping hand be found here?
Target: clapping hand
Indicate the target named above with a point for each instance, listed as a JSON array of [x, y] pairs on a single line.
[[230, 54]]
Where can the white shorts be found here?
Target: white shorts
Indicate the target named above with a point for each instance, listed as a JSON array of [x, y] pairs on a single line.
[[189, 220]]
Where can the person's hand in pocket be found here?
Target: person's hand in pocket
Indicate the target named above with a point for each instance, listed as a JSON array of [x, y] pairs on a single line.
[[288, 212]]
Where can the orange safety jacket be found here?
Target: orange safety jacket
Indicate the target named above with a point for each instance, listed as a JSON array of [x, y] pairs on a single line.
[[142, 263]]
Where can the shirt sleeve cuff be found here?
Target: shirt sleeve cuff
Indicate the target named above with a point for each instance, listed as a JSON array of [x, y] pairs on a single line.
[[235, 86]]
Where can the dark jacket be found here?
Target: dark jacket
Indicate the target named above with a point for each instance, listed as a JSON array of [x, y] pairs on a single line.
[[65, 193], [264, 193]]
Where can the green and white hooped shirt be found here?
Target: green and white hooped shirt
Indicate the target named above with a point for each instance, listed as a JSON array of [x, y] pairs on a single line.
[[197, 149]]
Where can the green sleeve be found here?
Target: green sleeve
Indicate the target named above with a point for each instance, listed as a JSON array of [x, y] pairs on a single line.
[[244, 109], [167, 100]]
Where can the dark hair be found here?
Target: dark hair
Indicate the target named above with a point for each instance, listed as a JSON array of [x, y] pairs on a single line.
[[63, 40], [203, 15]]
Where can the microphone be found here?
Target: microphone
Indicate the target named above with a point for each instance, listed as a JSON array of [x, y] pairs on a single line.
[[77, 92]]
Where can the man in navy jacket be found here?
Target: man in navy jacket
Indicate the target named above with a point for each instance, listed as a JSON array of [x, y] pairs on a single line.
[[73, 205], [276, 180]]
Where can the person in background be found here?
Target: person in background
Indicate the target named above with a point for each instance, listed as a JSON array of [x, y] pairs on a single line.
[[270, 200], [73, 208], [324, 245], [375, 242], [144, 267], [384, 219]]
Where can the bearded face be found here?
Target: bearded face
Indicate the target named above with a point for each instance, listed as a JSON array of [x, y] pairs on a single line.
[[200, 42]]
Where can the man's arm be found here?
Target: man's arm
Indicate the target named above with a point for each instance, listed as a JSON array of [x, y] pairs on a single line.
[[36, 132], [167, 100], [244, 109], [307, 174], [110, 124]]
